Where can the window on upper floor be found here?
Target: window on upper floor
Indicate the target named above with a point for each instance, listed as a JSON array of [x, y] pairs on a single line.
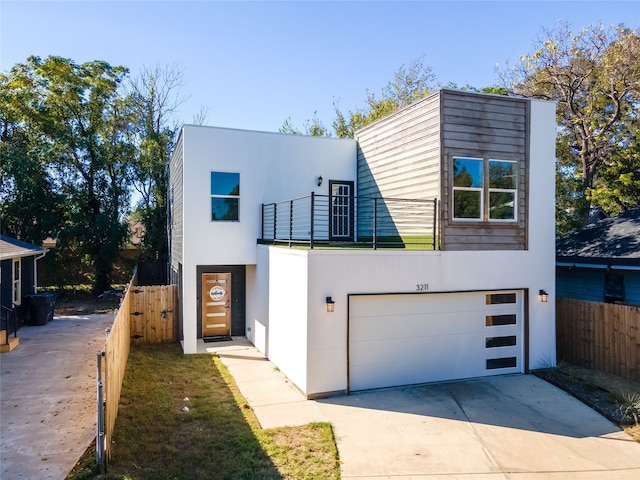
[[225, 196], [484, 189]]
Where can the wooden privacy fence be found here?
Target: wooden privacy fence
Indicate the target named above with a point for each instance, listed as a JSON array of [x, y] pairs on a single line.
[[600, 336], [146, 315], [153, 315]]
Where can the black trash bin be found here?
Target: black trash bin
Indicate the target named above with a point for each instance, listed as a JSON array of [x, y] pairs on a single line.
[[41, 307]]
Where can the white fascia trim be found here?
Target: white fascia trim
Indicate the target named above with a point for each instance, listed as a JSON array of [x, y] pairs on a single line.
[[597, 266]]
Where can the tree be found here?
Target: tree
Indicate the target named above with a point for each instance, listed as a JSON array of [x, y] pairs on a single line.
[[155, 93], [594, 75], [409, 84], [24, 178], [80, 126], [313, 127]]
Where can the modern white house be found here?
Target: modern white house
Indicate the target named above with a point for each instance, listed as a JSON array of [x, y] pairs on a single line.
[[422, 250]]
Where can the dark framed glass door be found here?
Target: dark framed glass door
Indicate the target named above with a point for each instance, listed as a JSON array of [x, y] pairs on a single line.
[[341, 219]]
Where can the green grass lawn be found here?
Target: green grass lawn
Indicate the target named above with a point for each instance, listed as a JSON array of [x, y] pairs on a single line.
[[218, 438]]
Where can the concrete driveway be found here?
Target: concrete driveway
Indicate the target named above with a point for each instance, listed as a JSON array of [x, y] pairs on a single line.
[[505, 427], [48, 397]]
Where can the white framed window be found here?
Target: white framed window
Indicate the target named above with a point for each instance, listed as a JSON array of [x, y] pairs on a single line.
[[15, 285], [503, 189], [468, 188], [225, 196], [485, 189]]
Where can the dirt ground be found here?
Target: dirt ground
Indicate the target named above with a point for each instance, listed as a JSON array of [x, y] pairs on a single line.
[[82, 303], [600, 390]]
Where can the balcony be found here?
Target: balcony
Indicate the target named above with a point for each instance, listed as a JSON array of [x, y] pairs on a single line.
[[341, 221]]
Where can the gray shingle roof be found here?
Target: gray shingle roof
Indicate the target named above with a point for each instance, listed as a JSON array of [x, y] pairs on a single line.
[[613, 241], [13, 248]]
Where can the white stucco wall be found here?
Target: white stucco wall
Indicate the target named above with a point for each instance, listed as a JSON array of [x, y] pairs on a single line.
[[272, 167], [288, 313], [338, 273]]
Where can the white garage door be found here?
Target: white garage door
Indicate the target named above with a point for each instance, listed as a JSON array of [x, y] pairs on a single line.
[[406, 339]]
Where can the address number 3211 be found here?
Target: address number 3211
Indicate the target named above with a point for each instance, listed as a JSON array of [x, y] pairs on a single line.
[[422, 287]]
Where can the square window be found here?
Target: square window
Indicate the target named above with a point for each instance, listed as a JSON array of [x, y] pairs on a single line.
[[475, 199], [468, 172], [502, 174], [467, 204], [224, 208], [502, 205], [223, 183]]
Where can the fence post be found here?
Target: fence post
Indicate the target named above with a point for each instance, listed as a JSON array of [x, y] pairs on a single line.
[[275, 220], [312, 219], [100, 430], [262, 224], [375, 222], [435, 222], [290, 221]]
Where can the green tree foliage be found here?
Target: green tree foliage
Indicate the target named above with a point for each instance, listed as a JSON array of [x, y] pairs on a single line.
[[24, 178], [594, 76], [69, 125], [408, 85], [313, 127]]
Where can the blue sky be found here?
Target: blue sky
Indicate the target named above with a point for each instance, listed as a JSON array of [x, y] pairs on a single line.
[[255, 64]]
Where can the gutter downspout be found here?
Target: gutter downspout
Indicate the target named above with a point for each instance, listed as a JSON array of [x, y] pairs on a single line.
[[35, 270]]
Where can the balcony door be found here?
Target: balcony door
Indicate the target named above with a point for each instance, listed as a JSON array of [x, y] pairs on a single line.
[[341, 221]]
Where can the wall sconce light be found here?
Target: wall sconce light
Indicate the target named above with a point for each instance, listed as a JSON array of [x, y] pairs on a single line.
[[544, 296], [330, 304], [320, 180]]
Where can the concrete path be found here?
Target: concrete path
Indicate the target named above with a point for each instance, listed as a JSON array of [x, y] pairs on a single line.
[[505, 427], [48, 397]]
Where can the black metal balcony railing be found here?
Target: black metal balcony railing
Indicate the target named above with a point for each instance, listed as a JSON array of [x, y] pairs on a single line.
[[352, 222]]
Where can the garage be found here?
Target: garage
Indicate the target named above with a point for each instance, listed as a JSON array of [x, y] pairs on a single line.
[[403, 339]]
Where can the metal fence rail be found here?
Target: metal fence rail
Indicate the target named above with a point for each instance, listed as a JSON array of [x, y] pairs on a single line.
[[352, 221]]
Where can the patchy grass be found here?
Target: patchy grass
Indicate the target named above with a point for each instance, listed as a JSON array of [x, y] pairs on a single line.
[[217, 438]]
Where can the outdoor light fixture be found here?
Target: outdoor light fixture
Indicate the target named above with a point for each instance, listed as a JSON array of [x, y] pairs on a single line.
[[544, 296], [330, 304], [320, 180]]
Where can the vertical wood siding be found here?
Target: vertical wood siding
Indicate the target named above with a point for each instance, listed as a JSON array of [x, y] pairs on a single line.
[[176, 183], [148, 322], [483, 126], [600, 336]]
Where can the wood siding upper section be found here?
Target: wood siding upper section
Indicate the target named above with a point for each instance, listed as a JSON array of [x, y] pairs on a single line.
[[489, 127], [399, 156], [176, 183]]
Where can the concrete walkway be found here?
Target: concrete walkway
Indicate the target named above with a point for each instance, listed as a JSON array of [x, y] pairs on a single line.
[[48, 397], [505, 427]]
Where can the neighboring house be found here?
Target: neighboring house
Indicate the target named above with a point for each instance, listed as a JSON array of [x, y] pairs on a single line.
[[18, 273], [601, 262], [421, 245]]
